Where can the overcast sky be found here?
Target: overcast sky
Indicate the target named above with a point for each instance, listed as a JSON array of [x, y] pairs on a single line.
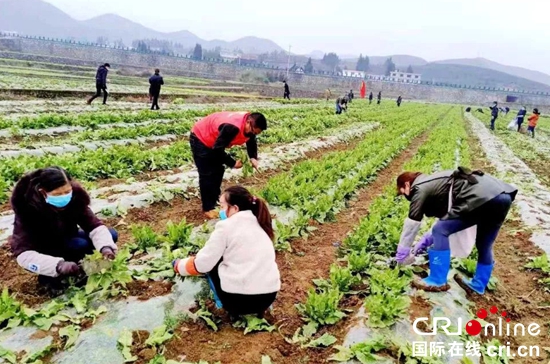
[[507, 31]]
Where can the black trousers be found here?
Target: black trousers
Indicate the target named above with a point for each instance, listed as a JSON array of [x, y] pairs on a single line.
[[287, 95], [99, 88], [155, 104], [211, 172], [241, 304]]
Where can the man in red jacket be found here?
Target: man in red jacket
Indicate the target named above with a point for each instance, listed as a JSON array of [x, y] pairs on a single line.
[[209, 138]]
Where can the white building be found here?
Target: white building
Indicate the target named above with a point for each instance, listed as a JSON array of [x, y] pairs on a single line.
[[405, 77], [353, 73]]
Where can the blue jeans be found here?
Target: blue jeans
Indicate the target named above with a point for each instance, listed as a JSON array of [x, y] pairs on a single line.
[[488, 218], [338, 109], [81, 245], [531, 129]]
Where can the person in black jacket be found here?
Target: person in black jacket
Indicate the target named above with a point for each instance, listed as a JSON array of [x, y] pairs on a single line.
[[521, 117], [379, 98], [156, 81], [101, 83], [351, 96], [494, 114], [460, 199], [287, 91], [399, 101], [371, 96]]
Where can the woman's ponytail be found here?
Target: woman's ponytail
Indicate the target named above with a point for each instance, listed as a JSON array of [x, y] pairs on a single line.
[[260, 210]]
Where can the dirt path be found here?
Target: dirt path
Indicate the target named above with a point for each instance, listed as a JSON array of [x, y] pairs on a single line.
[[311, 259], [518, 292]]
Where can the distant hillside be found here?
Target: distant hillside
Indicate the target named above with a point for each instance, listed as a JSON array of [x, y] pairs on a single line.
[[476, 76], [516, 71], [36, 17]]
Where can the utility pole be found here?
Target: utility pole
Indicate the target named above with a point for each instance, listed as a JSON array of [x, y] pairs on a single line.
[[288, 64]]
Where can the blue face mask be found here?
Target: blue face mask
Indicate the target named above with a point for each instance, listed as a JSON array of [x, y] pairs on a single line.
[[59, 201], [223, 215]]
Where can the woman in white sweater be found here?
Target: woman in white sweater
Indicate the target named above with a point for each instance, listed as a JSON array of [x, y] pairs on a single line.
[[239, 257]]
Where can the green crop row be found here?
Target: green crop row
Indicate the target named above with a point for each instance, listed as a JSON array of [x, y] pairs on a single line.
[[378, 233], [125, 161]]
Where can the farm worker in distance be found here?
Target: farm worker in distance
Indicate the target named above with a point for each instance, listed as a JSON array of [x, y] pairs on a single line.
[[350, 96], [101, 83], [341, 105], [399, 101], [54, 227], [379, 97], [328, 94], [521, 117], [494, 114], [156, 81], [238, 258], [477, 199], [209, 138], [363, 90], [371, 96], [533, 120], [287, 91]]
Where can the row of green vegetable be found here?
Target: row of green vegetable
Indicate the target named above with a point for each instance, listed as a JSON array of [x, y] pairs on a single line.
[[126, 161]]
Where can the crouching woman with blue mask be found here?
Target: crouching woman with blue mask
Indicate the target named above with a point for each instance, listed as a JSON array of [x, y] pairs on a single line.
[[460, 199], [238, 258], [54, 227]]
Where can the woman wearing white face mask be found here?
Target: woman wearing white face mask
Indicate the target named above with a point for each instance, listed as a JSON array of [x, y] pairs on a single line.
[[54, 226], [239, 257]]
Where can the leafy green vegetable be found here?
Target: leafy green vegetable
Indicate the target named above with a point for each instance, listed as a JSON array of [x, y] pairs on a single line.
[[8, 355], [252, 323], [325, 340], [159, 336], [144, 237], [322, 307], [124, 343], [71, 333], [178, 234], [110, 282], [363, 352]]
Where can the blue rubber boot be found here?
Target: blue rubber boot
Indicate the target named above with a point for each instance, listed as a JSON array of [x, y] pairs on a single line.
[[440, 263], [480, 281], [216, 298]]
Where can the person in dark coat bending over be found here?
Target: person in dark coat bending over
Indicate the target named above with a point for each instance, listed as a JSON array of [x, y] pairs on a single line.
[[399, 101], [54, 226], [371, 96], [209, 138], [459, 199], [379, 98], [156, 81], [101, 83]]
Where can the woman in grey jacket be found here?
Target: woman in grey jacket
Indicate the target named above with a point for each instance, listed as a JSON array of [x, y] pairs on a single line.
[[477, 199]]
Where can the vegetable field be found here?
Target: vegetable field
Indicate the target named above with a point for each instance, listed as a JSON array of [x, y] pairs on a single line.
[[329, 181]]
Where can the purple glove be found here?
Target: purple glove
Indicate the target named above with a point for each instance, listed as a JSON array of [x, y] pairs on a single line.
[[424, 243], [403, 252]]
